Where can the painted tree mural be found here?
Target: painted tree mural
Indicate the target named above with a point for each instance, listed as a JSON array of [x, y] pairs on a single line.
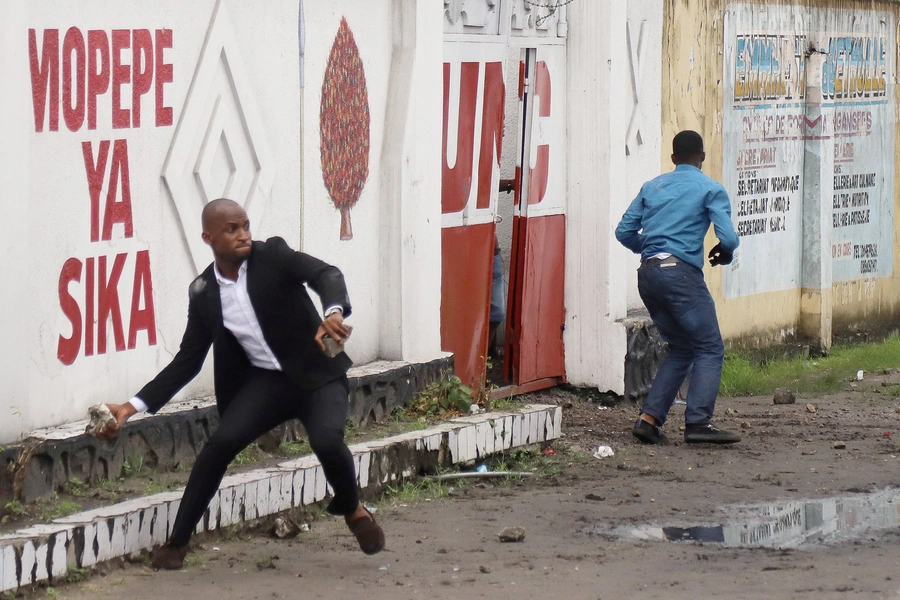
[[344, 126]]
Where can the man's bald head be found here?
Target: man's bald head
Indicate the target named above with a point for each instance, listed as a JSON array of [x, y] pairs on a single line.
[[216, 208], [226, 229]]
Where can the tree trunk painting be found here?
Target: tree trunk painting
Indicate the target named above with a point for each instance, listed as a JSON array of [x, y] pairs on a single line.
[[344, 126]]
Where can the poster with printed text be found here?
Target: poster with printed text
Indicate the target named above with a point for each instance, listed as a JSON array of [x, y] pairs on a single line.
[[768, 132]]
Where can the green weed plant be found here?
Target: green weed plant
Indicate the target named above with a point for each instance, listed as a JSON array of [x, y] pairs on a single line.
[[444, 397], [14, 508], [247, 456], [411, 492], [292, 448], [742, 376], [133, 465]]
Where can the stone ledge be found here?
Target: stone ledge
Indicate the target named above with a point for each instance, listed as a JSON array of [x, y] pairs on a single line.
[[44, 553], [177, 433]]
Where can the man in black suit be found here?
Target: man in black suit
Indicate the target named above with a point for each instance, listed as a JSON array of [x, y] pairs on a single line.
[[251, 306]]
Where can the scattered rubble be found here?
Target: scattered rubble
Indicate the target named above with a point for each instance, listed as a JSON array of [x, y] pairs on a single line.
[[286, 527], [784, 396], [100, 416], [512, 534]]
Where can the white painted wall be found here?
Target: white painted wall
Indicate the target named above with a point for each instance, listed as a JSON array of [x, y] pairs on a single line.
[[410, 222], [321, 235], [506, 201], [48, 200], [642, 87], [14, 181], [58, 224], [392, 265], [596, 271]]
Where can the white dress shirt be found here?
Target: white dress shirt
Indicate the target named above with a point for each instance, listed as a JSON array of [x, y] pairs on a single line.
[[240, 319]]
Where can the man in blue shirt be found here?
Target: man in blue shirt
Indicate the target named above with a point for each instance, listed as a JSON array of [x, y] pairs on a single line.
[[666, 224]]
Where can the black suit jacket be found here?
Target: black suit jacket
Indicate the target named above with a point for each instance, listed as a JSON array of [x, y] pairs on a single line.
[[276, 275]]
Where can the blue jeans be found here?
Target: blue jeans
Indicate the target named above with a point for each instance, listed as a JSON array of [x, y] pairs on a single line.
[[685, 315]]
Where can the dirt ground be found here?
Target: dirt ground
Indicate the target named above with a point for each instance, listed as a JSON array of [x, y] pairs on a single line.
[[572, 509]]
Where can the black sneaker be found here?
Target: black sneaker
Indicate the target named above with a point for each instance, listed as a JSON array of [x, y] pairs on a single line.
[[649, 434], [706, 433]]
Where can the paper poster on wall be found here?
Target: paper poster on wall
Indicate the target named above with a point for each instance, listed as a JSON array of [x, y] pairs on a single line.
[[766, 128]]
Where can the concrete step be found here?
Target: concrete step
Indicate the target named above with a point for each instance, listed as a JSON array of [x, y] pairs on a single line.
[[44, 553], [50, 457]]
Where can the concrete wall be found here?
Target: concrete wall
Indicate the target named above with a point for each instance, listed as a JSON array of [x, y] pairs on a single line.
[[595, 262], [642, 87], [613, 137], [802, 133], [229, 118], [396, 221]]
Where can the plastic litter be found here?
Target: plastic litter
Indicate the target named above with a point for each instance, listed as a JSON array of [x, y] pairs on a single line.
[[859, 375], [481, 469], [604, 452]]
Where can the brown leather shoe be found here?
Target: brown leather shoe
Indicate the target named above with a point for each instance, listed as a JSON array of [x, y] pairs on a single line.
[[169, 557], [368, 533]]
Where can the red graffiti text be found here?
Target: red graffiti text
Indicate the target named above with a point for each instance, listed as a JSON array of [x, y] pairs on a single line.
[[98, 66]]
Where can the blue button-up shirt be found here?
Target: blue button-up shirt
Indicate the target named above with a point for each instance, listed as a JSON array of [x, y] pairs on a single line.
[[672, 213]]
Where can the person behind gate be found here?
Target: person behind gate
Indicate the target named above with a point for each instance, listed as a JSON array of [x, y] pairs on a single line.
[[666, 224], [252, 307]]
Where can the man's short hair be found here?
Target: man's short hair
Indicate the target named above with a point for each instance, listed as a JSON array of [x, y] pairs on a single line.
[[687, 144]]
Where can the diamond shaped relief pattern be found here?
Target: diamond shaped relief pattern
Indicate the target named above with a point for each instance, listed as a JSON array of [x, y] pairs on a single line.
[[220, 146], [216, 170]]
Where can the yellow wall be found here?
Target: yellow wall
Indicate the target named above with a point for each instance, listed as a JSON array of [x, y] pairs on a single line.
[[693, 98]]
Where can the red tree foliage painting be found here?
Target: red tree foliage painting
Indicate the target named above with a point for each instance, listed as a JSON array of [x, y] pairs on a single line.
[[344, 126]]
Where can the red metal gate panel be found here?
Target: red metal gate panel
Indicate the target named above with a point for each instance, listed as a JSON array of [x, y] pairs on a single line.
[[474, 96], [467, 257], [539, 312], [536, 306]]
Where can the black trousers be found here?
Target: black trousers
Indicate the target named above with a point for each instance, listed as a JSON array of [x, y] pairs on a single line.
[[267, 399]]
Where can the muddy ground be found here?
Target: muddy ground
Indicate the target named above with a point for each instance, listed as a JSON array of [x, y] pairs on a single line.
[[573, 511]]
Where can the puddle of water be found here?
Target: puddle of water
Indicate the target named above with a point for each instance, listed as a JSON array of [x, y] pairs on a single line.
[[787, 524]]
